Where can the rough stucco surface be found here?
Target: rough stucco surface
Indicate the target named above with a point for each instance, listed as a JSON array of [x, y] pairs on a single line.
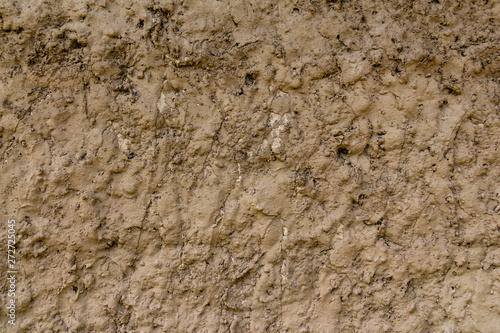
[[252, 166]]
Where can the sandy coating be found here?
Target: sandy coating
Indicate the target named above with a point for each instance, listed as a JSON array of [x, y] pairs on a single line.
[[252, 166]]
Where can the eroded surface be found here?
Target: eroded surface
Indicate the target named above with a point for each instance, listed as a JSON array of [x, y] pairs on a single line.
[[252, 166]]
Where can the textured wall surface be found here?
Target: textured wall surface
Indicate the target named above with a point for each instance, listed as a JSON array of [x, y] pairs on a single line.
[[251, 166]]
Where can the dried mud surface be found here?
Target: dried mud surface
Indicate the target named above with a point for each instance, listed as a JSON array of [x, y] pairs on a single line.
[[252, 166]]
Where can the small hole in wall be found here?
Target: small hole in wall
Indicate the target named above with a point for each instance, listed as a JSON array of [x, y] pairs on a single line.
[[295, 11], [250, 79], [75, 289], [342, 150]]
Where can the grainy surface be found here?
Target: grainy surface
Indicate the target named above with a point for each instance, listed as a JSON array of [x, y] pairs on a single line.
[[252, 166]]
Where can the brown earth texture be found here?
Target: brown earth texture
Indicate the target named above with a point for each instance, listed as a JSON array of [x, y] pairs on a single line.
[[251, 165]]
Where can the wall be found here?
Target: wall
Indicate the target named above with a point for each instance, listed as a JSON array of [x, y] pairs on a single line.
[[252, 166]]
